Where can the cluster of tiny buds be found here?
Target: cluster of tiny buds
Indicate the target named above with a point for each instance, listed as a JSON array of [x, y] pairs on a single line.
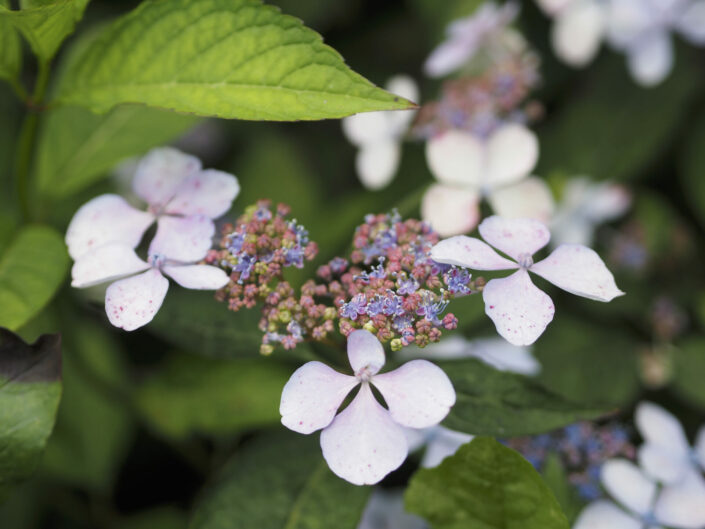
[[582, 448], [256, 249]]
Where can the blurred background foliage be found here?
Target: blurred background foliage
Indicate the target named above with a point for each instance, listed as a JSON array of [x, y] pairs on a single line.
[[147, 417]]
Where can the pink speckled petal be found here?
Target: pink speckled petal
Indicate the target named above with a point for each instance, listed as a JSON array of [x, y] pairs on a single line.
[[131, 303], [365, 352], [106, 218], [183, 239], [469, 253], [209, 193], [106, 263], [419, 394], [519, 310], [515, 236], [580, 271], [198, 277], [363, 444], [312, 396], [160, 173], [450, 210]]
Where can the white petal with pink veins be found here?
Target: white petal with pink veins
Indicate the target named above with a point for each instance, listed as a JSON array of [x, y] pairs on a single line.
[[160, 173], [131, 303], [530, 199], [418, 394], [515, 236], [106, 218], [469, 252], [209, 193], [450, 210], [604, 514], [580, 271], [363, 444], [629, 485], [312, 396], [456, 158], [198, 277], [184, 239], [365, 352], [512, 152], [106, 263], [519, 310]]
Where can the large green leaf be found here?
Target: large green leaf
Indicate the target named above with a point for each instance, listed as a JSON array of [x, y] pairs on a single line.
[[93, 427], [196, 395], [692, 168], [501, 404], [31, 271], [10, 50], [280, 482], [689, 367], [610, 128], [225, 58], [45, 25], [76, 147], [30, 389], [485, 485]]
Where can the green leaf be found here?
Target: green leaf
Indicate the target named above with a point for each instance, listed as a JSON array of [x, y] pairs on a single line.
[[77, 148], [692, 168], [280, 481], [501, 404], [555, 477], [225, 58], [30, 389], [613, 129], [31, 271], [10, 50], [485, 485], [93, 427], [689, 366], [157, 518], [588, 364], [45, 25], [196, 395]]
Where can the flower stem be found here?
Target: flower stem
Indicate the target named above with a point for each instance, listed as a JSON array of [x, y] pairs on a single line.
[[28, 138]]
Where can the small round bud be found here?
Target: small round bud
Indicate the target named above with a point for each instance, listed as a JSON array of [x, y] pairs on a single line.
[[396, 344], [369, 326], [266, 349]]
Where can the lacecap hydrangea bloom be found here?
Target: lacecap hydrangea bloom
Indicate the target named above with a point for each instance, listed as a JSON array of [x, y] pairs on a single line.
[[519, 310], [365, 441], [103, 234]]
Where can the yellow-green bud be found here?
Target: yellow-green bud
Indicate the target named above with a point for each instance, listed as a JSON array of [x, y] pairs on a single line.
[[396, 344], [369, 327], [330, 313], [266, 349], [285, 316]]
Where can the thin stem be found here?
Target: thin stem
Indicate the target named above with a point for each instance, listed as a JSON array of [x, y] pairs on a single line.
[[28, 138]]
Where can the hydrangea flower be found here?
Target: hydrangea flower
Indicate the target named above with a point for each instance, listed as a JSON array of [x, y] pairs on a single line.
[[666, 454], [133, 301], [173, 184], [642, 505], [519, 310], [465, 36], [378, 136], [469, 167], [365, 441], [583, 207], [642, 30], [578, 29]]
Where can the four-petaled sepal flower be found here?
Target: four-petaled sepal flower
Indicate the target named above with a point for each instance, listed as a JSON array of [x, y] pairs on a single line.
[[519, 310], [366, 441]]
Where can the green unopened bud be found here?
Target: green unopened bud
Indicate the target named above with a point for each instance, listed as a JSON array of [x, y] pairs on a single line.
[[285, 316], [261, 268], [330, 313], [272, 327], [396, 344], [369, 327], [266, 349]]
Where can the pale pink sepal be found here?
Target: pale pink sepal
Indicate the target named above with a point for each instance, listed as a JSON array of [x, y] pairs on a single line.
[[418, 394], [629, 485], [184, 239], [450, 210], [603, 514], [470, 253], [104, 219], [209, 192], [198, 277], [579, 270], [365, 353], [515, 236], [363, 444], [519, 310], [456, 158], [160, 173], [106, 263], [511, 154], [312, 396], [131, 303]]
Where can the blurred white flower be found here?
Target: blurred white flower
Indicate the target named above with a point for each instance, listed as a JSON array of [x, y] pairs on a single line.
[[666, 454], [583, 206], [642, 30], [439, 443], [385, 510], [578, 28], [519, 310], [641, 504], [465, 36], [378, 136], [469, 167]]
